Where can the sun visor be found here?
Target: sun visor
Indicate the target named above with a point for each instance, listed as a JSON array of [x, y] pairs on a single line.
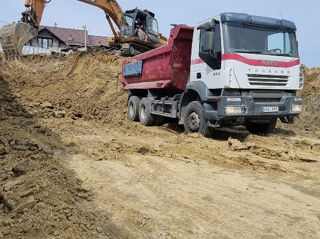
[[257, 20]]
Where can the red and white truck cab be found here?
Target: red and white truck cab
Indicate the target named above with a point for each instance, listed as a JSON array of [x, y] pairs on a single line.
[[234, 69]]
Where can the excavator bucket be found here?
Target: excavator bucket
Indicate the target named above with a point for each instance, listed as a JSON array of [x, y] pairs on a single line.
[[14, 36]]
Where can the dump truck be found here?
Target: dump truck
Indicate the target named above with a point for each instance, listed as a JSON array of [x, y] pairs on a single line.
[[234, 69]]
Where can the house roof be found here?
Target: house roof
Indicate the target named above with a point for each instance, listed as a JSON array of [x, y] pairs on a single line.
[[98, 40], [75, 37]]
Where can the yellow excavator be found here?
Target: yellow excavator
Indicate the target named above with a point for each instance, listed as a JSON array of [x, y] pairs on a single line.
[[14, 36]]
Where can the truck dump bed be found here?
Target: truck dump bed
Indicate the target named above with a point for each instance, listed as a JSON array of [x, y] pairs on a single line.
[[167, 67]]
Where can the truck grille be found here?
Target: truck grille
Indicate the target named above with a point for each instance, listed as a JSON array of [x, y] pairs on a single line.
[[269, 96], [267, 80]]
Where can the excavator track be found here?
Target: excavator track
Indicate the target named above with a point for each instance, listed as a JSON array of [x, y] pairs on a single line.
[[14, 36]]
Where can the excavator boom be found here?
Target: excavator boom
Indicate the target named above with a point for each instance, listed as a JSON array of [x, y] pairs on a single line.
[[110, 7], [112, 10]]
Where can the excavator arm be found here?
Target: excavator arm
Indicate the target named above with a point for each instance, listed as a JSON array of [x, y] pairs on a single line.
[[111, 9], [33, 14], [14, 36], [35, 8]]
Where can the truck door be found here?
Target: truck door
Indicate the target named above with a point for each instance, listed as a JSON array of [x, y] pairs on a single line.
[[210, 53]]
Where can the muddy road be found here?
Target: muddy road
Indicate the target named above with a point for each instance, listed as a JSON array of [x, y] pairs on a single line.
[[107, 177]]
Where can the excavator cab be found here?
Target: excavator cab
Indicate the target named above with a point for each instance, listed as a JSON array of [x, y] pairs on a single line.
[[132, 44]]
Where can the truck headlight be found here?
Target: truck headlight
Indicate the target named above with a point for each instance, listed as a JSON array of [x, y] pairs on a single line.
[[301, 80], [297, 99], [235, 110], [296, 109]]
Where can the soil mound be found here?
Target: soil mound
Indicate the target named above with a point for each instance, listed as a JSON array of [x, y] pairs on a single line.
[[39, 196], [310, 118], [82, 85]]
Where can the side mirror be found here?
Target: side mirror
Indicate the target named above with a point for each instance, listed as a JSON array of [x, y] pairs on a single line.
[[208, 45]]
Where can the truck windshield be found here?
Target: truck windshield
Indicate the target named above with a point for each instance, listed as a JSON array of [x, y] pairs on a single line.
[[260, 40]]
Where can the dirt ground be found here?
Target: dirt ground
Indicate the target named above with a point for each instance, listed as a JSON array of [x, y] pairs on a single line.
[[73, 166]]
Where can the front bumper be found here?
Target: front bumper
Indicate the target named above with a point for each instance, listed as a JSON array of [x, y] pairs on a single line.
[[250, 106]]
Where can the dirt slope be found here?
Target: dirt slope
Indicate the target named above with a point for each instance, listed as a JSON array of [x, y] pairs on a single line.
[[74, 166], [39, 196], [311, 94]]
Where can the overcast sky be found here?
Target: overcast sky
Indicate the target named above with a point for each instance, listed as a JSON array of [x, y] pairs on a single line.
[[73, 14]]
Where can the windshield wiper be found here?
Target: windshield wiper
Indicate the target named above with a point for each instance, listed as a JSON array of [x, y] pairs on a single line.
[[279, 54], [250, 51]]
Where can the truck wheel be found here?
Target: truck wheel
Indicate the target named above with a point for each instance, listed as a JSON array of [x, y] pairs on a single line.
[[133, 108], [194, 120], [261, 128], [146, 118]]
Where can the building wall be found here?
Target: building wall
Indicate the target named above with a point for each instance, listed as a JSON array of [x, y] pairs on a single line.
[[63, 44], [57, 45]]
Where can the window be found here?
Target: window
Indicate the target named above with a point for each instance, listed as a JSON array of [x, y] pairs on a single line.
[[153, 27], [45, 43], [211, 57], [127, 27], [279, 43], [128, 21], [250, 39]]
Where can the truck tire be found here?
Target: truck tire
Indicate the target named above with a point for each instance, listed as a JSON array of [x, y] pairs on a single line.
[[133, 108], [194, 120], [146, 118], [261, 128]]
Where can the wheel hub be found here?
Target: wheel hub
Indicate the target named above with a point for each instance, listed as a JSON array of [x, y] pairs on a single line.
[[194, 121], [143, 112], [130, 109]]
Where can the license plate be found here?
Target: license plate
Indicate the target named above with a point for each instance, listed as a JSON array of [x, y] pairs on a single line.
[[270, 109]]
